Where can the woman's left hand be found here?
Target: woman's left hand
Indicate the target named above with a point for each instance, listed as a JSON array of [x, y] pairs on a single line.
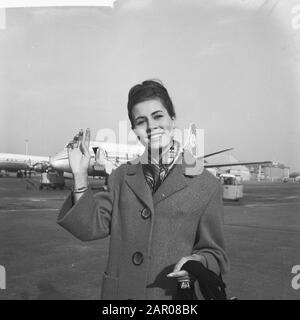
[[178, 273]]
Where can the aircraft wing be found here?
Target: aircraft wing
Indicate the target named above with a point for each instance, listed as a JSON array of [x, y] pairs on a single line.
[[214, 153], [219, 165]]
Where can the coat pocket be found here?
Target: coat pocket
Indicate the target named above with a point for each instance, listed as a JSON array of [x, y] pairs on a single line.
[[109, 287]]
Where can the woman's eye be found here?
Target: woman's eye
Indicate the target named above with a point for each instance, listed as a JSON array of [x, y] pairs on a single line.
[[139, 122], [158, 116]]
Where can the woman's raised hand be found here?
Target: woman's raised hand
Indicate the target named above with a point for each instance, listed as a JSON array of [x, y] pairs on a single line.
[[78, 153]]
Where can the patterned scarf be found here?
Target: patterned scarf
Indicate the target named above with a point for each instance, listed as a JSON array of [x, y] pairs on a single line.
[[156, 173]]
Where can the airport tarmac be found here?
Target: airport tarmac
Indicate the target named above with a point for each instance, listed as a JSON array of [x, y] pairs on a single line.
[[43, 261]]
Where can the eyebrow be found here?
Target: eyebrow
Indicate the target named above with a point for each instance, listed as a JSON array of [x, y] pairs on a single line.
[[152, 114]]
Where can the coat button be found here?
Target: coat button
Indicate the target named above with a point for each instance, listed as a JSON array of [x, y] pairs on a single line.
[[146, 213], [137, 258]]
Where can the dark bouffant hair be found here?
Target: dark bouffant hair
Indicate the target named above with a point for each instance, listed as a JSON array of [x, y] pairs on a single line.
[[148, 90]]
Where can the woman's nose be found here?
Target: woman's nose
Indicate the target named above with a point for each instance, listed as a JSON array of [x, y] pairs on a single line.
[[152, 124]]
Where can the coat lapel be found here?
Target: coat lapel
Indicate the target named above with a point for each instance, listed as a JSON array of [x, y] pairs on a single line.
[[186, 165], [174, 182], [138, 184]]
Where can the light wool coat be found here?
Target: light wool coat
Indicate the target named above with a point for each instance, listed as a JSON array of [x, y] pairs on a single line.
[[186, 217]]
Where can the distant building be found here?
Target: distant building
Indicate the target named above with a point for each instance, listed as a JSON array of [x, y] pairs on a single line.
[[273, 172], [276, 172]]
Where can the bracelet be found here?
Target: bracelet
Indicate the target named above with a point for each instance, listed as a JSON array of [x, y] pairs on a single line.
[[80, 190]]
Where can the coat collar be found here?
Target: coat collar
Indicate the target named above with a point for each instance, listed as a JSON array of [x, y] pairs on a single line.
[[186, 165], [137, 182]]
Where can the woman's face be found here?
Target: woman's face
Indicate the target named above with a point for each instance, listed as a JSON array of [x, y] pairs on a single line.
[[152, 124]]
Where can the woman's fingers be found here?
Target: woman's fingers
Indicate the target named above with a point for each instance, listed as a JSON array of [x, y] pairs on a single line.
[[80, 136], [76, 140], [86, 142], [87, 137], [180, 263], [70, 145], [81, 142], [177, 274]]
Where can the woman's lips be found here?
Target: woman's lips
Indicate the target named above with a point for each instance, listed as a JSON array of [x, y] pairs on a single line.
[[155, 136]]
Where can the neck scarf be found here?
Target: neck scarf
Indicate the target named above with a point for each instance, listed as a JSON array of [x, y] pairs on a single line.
[[155, 173]]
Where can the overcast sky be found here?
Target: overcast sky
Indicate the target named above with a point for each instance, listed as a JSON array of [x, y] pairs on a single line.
[[232, 67]]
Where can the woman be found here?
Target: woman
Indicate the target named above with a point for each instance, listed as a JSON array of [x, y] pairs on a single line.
[[160, 210]]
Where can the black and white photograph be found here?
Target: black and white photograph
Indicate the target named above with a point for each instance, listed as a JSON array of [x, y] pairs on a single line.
[[149, 150]]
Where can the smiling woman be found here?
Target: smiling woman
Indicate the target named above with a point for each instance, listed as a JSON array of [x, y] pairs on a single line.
[[151, 122], [152, 117], [159, 214]]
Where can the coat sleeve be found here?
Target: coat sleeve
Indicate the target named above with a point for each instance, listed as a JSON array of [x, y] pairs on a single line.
[[90, 217], [209, 238]]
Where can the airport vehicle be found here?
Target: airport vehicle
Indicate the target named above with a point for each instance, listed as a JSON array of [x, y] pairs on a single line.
[[51, 180], [3, 173], [232, 187]]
